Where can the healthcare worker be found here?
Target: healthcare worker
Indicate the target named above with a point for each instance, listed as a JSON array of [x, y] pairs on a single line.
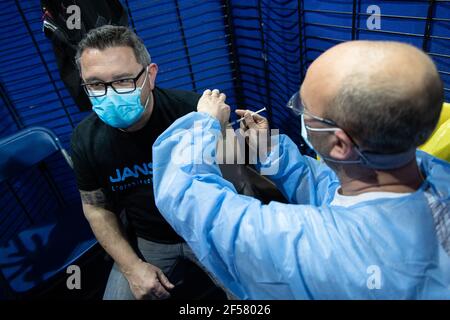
[[369, 221]]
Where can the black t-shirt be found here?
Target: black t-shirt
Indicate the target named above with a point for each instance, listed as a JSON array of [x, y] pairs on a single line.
[[121, 162]]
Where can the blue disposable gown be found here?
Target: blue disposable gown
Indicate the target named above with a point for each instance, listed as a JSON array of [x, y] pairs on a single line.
[[378, 249]]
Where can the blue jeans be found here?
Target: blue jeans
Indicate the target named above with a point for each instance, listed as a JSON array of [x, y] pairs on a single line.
[[163, 256]]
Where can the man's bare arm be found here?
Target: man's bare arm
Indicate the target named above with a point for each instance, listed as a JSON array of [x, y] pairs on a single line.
[[95, 198], [108, 229], [145, 279]]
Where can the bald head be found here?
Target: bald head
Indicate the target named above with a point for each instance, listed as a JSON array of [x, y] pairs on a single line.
[[386, 95]]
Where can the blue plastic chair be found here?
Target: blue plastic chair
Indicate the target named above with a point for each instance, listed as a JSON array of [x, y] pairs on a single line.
[[35, 255]]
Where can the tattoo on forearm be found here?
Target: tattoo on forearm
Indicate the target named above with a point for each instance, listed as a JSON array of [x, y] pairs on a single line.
[[95, 198]]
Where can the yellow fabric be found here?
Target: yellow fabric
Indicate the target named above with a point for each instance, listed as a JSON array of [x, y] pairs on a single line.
[[439, 143]]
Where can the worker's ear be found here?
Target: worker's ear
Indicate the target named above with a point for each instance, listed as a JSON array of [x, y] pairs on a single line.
[[342, 147]]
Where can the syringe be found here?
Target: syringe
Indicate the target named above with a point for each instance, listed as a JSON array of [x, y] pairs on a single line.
[[253, 113]]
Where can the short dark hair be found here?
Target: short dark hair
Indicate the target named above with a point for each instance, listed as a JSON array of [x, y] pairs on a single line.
[[383, 117], [109, 36]]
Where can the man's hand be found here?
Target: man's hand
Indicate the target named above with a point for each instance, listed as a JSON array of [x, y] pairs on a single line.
[[213, 103], [256, 131], [252, 121], [148, 282]]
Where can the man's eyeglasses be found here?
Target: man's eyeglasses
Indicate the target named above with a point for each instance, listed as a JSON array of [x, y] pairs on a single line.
[[296, 105], [98, 89]]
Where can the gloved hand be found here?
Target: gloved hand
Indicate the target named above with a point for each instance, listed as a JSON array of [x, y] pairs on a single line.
[[213, 103], [256, 130]]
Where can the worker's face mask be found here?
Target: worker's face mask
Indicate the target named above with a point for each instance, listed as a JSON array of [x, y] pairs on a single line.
[[120, 110], [305, 130]]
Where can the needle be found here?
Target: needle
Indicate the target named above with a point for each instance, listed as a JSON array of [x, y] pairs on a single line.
[[253, 113]]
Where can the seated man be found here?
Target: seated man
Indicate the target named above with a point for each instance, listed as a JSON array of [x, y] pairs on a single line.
[[111, 151], [370, 221]]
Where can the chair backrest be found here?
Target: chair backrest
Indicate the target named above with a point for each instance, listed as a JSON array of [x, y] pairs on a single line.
[[41, 233], [27, 148]]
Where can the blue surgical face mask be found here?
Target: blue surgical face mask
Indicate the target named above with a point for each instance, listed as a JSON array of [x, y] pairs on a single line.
[[120, 110]]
